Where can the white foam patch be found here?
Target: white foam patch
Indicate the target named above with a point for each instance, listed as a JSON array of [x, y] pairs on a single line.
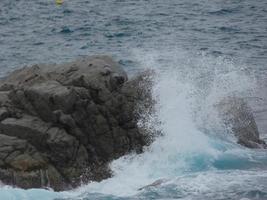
[[221, 183]]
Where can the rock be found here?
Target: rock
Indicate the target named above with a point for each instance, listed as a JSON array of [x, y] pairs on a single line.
[[237, 114], [22, 165], [259, 105], [61, 125], [154, 184]]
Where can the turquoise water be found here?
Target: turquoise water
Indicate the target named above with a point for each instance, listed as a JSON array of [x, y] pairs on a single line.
[[201, 51]]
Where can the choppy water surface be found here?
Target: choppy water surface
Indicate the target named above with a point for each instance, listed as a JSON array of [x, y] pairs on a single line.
[[33, 31], [202, 50]]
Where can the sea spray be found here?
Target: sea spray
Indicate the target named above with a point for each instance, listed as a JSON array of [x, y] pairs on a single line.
[[185, 90]]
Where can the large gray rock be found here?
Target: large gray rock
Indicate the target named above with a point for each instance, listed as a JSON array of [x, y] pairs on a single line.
[[238, 115], [61, 125]]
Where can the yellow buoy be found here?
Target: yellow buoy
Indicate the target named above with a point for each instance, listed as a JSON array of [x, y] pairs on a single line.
[[59, 2]]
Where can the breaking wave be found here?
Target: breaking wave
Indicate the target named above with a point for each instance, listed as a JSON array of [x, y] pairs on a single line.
[[196, 156]]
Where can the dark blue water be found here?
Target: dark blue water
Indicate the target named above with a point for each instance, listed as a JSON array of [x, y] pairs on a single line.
[[203, 50]]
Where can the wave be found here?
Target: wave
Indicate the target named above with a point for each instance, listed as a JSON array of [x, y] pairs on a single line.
[[196, 154]]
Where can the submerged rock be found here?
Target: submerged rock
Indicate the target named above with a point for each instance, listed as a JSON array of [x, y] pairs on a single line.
[[60, 125], [154, 184]]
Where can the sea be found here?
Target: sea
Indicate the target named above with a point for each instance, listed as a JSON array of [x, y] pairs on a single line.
[[201, 51]]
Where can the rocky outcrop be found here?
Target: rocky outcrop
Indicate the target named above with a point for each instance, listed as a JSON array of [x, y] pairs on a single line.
[[259, 105], [238, 115], [60, 125]]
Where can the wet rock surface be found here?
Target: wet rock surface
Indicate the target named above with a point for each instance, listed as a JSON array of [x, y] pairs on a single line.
[[238, 115], [62, 124]]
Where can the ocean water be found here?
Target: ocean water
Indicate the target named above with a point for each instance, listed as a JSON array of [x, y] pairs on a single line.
[[201, 51]]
